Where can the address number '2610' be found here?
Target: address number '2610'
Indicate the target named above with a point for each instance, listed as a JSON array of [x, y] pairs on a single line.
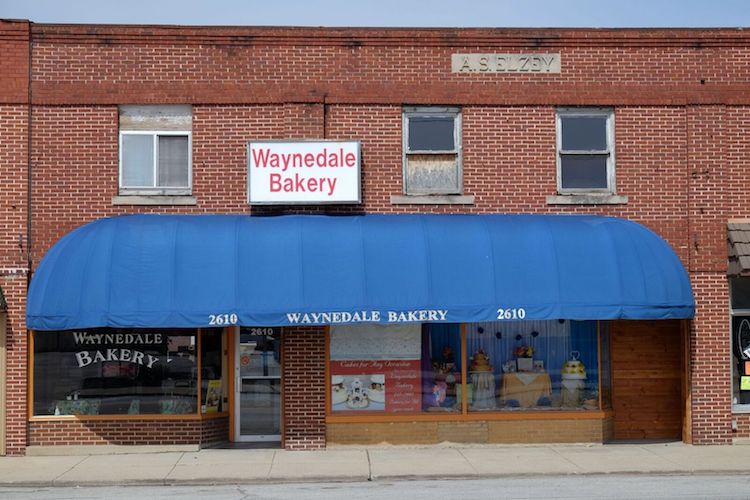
[[222, 319], [513, 313]]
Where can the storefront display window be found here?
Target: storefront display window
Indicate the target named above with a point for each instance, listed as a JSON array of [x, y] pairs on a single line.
[[395, 368], [533, 365], [211, 371], [509, 366], [109, 371]]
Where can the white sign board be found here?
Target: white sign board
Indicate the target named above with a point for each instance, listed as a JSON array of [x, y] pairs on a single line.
[[285, 172]]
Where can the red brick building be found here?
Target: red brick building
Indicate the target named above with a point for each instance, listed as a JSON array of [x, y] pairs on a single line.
[[656, 124]]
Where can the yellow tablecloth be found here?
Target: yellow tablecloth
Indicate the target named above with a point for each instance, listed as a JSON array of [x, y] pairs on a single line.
[[526, 388]]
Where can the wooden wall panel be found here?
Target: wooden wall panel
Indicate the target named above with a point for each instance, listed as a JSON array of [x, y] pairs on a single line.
[[647, 379]]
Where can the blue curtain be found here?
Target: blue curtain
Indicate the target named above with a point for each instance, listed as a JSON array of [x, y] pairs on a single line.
[[445, 335], [583, 340], [553, 342]]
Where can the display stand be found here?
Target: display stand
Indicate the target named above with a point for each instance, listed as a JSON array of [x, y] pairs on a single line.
[[484, 390]]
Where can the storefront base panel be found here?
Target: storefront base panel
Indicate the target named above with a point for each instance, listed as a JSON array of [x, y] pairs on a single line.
[[128, 432], [742, 425], [478, 431]]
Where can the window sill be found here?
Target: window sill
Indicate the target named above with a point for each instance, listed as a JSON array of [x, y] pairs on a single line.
[[432, 199], [587, 199], [154, 200]]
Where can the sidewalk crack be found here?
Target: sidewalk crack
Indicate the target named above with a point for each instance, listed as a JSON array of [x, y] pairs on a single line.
[[54, 481], [273, 462], [660, 457], [476, 472], [166, 478], [578, 467]]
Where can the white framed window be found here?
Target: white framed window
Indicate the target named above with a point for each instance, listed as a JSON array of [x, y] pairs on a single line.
[[432, 151], [155, 150], [740, 331], [585, 150]]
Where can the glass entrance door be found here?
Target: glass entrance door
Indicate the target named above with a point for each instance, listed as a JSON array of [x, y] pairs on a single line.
[[258, 384]]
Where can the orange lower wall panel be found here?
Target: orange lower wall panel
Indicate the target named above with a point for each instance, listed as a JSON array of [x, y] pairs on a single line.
[[480, 431]]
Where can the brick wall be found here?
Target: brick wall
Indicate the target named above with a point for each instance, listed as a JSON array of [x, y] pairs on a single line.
[[13, 221], [14, 65], [128, 432], [682, 147], [304, 357]]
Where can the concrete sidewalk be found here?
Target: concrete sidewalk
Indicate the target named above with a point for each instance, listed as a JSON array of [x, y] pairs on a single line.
[[370, 463]]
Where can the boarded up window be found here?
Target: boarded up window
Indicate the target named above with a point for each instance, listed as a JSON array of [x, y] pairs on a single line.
[[432, 151]]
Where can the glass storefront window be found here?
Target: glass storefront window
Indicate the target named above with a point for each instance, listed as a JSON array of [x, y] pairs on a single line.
[[110, 371], [533, 365], [510, 366], [395, 368], [212, 389]]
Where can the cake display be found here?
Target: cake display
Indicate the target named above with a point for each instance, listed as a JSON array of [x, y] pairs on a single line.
[[573, 369], [338, 392], [480, 362], [357, 398], [482, 382], [376, 391]]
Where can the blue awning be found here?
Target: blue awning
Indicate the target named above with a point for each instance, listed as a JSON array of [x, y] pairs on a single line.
[[209, 270]]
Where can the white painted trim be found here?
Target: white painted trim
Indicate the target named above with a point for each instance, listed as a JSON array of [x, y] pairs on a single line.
[[587, 199], [432, 199], [154, 200]]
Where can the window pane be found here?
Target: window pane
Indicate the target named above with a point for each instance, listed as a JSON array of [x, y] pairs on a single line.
[[533, 365], [212, 385], [431, 133], [584, 133], [434, 174], [137, 160], [110, 371], [583, 171], [173, 161], [395, 368], [260, 353], [740, 293]]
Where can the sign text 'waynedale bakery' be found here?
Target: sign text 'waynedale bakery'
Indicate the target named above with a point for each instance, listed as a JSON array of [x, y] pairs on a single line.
[[304, 172]]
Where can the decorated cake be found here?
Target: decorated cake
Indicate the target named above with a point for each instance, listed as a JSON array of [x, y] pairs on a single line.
[[480, 362], [376, 391], [573, 369], [338, 393], [357, 398]]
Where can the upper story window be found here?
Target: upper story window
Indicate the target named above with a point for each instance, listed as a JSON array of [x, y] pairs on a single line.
[[432, 150], [155, 150], [585, 150]]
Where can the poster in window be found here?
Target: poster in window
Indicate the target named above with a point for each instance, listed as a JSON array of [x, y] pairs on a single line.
[[213, 396], [376, 385]]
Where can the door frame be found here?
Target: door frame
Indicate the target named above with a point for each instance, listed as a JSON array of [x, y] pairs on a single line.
[[236, 386]]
